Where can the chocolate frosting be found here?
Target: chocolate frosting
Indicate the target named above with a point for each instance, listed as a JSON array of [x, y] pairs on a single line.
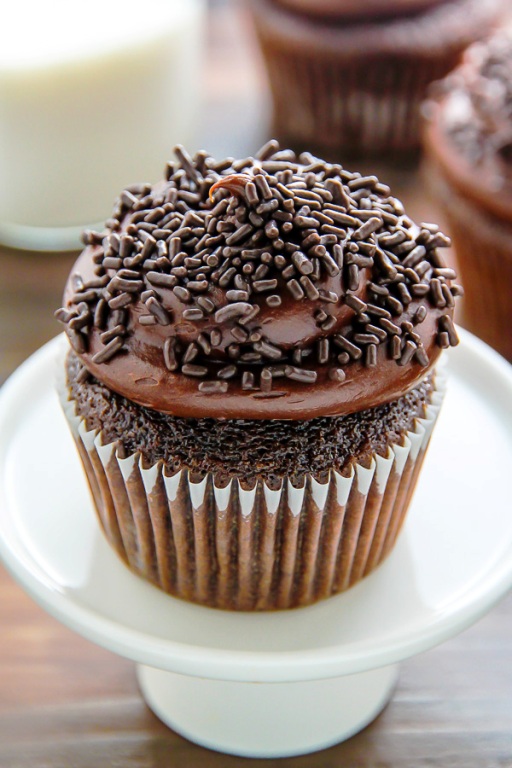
[[469, 125], [355, 9], [274, 287], [429, 31]]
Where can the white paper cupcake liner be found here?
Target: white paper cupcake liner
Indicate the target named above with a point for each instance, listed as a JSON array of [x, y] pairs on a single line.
[[259, 549]]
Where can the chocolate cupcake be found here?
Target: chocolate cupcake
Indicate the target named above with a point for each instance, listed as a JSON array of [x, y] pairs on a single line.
[[251, 378], [348, 77], [468, 139]]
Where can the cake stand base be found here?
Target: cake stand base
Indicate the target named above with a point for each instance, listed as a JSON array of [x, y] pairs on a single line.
[[267, 719]]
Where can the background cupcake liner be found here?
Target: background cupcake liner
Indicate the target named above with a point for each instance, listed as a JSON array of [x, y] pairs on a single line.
[[257, 549], [364, 105]]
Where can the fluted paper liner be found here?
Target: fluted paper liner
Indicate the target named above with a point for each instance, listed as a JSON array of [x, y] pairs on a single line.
[[258, 549], [484, 263], [356, 102]]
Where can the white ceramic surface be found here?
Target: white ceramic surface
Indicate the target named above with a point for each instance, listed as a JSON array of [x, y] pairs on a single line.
[[452, 562], [267, 719]]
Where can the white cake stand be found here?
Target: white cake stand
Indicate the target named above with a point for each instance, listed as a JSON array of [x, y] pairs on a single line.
[[273, 684]]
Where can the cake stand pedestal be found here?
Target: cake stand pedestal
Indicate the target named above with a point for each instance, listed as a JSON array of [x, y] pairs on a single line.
[[288, 682], [267, 719]]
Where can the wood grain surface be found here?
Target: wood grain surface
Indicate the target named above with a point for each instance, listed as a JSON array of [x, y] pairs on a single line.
[[66, 703]]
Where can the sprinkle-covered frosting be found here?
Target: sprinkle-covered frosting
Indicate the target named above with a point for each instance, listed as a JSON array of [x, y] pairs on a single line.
[[470, 113], [275, 286]]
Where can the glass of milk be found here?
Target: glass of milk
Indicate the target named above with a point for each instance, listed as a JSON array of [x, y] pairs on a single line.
[[94, 94]]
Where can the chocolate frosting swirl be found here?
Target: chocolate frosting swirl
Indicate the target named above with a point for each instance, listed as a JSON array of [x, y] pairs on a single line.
[[355, 9], [275, 286], [469, 124]]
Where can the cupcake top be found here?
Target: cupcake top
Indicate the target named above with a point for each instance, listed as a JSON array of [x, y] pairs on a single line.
[[352, 9], [469, 124], [274, 286], [347, 28]]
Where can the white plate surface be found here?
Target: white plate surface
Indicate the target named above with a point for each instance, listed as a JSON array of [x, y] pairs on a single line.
[[452, 561]]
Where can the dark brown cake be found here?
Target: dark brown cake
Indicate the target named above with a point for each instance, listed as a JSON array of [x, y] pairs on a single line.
[[251, 386], [258, 449]]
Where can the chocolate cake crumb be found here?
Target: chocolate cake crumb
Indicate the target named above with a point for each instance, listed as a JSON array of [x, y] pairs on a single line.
[[270, 449]]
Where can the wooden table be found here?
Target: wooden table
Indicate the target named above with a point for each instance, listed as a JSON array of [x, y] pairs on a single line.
[[65, 703]]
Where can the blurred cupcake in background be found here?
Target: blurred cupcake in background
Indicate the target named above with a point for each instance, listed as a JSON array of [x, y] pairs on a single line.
[[468, 140], [348, 77]]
